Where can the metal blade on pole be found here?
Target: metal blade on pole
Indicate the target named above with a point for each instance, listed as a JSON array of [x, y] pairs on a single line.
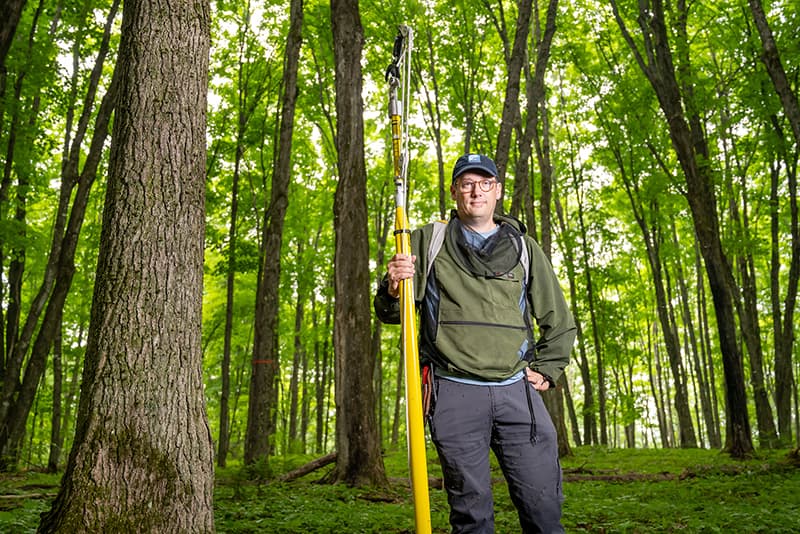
[[415, 426]]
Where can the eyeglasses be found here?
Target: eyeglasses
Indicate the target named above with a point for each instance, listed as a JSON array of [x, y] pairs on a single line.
[[468, 186]]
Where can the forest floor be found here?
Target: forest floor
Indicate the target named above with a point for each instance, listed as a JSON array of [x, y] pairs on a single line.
[[606, 490]]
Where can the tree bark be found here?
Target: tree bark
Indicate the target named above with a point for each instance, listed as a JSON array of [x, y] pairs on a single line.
[[265, 365], [510, 115], [359, 460], [10, 13], [772, 61], [294, 441], [142, 459]]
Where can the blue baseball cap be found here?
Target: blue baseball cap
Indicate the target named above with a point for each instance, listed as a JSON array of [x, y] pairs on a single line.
[[474, 162]]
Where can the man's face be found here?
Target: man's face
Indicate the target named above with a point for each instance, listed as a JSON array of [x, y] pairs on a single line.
[[472, 202]]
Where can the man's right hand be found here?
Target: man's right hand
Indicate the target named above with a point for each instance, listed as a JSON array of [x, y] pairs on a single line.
[[400, 267]]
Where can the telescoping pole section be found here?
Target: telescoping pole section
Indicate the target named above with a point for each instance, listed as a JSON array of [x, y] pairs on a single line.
[[401, 57]]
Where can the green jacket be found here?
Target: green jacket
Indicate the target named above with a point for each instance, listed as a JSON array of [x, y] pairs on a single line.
[[474, 327]]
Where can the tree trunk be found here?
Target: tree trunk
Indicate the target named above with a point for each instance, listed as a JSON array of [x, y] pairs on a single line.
[[650, 235], [510, 116], [223, 440], [322, 387], [397, 410], [703, 384], [705, 345], [772, 61], [143, 458], [589, 410], [596, 334], [265, 365], [384, 223], [434, 117], [747, 307], [56, 437], [573, 417], [783, 319], [294, 445], [658, 397], [690, 147], [554, 401], [10, 13], [358, 445]]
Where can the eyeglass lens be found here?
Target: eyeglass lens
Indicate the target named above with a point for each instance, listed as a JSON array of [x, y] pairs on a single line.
[[469, 185]]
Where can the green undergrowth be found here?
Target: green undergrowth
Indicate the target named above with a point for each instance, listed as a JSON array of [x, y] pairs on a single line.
[[606, 490]]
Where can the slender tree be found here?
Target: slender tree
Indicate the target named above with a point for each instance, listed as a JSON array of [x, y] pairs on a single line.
[[783, 322], [359, 460], [772, 61], [10, 13], [263, 393], [511, 114]]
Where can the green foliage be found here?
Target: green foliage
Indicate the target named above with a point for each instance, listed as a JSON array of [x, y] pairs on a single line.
[[606, 490]]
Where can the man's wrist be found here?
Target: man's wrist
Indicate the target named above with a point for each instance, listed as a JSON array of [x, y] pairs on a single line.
[[383, 289]]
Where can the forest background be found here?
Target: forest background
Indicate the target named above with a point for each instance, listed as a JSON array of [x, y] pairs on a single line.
[[650, 147]]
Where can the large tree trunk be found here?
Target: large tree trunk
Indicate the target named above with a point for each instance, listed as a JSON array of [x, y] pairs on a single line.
[[263, 393], [143, 458], [359, 460], [690, 147]]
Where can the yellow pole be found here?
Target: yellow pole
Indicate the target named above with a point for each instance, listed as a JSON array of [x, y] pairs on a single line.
[[415, 425]]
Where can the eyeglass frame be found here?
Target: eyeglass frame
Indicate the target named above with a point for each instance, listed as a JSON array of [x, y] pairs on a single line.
[[470, 185]]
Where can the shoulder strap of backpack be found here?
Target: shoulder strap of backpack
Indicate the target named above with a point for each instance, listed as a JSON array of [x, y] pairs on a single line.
[[525, 260], [435, 245]]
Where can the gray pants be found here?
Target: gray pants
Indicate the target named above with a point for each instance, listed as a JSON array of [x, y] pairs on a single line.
[[468, 420]]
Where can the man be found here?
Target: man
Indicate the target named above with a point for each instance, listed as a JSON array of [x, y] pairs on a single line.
[[486, 282]]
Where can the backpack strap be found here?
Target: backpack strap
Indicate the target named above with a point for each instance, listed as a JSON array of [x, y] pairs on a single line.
[[435, 245]]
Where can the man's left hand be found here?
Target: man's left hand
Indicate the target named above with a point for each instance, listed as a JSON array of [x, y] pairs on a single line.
[[540, 383]]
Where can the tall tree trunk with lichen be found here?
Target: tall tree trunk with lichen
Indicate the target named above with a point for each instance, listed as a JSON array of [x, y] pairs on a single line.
[[142, 459]]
